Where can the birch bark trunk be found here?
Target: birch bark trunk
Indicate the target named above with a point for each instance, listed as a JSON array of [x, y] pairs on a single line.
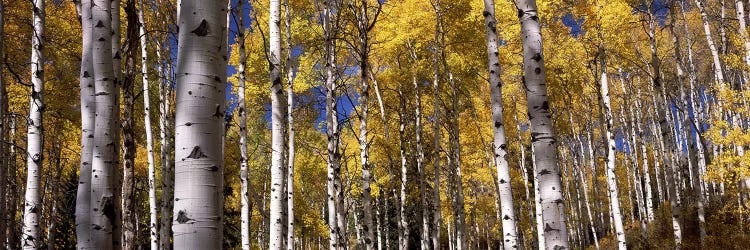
[[332, 127], [152, 206], [290, 123], [166, 148], [510, 235], [611, 158], [31, 238], [104, 163], [363, 26], [245, 212], [88, 109], [199, 121], [543, 138], [278, 108], [403, 224]]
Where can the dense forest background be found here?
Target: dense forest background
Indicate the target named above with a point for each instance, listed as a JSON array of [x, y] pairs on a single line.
[[363, 124]]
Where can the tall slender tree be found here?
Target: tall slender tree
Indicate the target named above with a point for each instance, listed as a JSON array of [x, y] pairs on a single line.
[[199, 125], [510, 235], [611, 158], [290, 123], [242, 110], [31, 238], [543, 137], [88, 108], [278, 108], [153, 224]]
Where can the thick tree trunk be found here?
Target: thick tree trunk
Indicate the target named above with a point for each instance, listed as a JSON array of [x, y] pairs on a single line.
[[31, 238], [510, 235], [88, 108], [611, 158], [106, 146], [278, 110], [543, 138], [201, 82], [153, 224], [128, 126]]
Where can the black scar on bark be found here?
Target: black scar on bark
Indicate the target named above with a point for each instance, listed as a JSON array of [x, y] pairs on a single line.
[[86, 74], [537, 57], [218, 112], [548, 228], [485, 13], [537, 70], [99, 24], [197, 153], [182, 217], [108, 208], [544, 172], [202, 29], [520, 12]]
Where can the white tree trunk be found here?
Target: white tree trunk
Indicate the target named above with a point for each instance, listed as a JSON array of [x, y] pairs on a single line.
[[104, 163], [30, 237], [166, 148], [403, 222], [245, 213], [510, 236], [543, 138], [153, 220], [538, 215], [278, 108], [718, 71], [611, 158], [199, 121], [332, 127], [584, 189], [290, 123], [88, 108]]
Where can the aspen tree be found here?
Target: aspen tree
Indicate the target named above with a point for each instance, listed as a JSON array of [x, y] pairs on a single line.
[[104, 163], [278, 108], [199, 121], [245, 213], [152, 206], [510, 236], [88, 109], [31, 238], [543, 138]]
